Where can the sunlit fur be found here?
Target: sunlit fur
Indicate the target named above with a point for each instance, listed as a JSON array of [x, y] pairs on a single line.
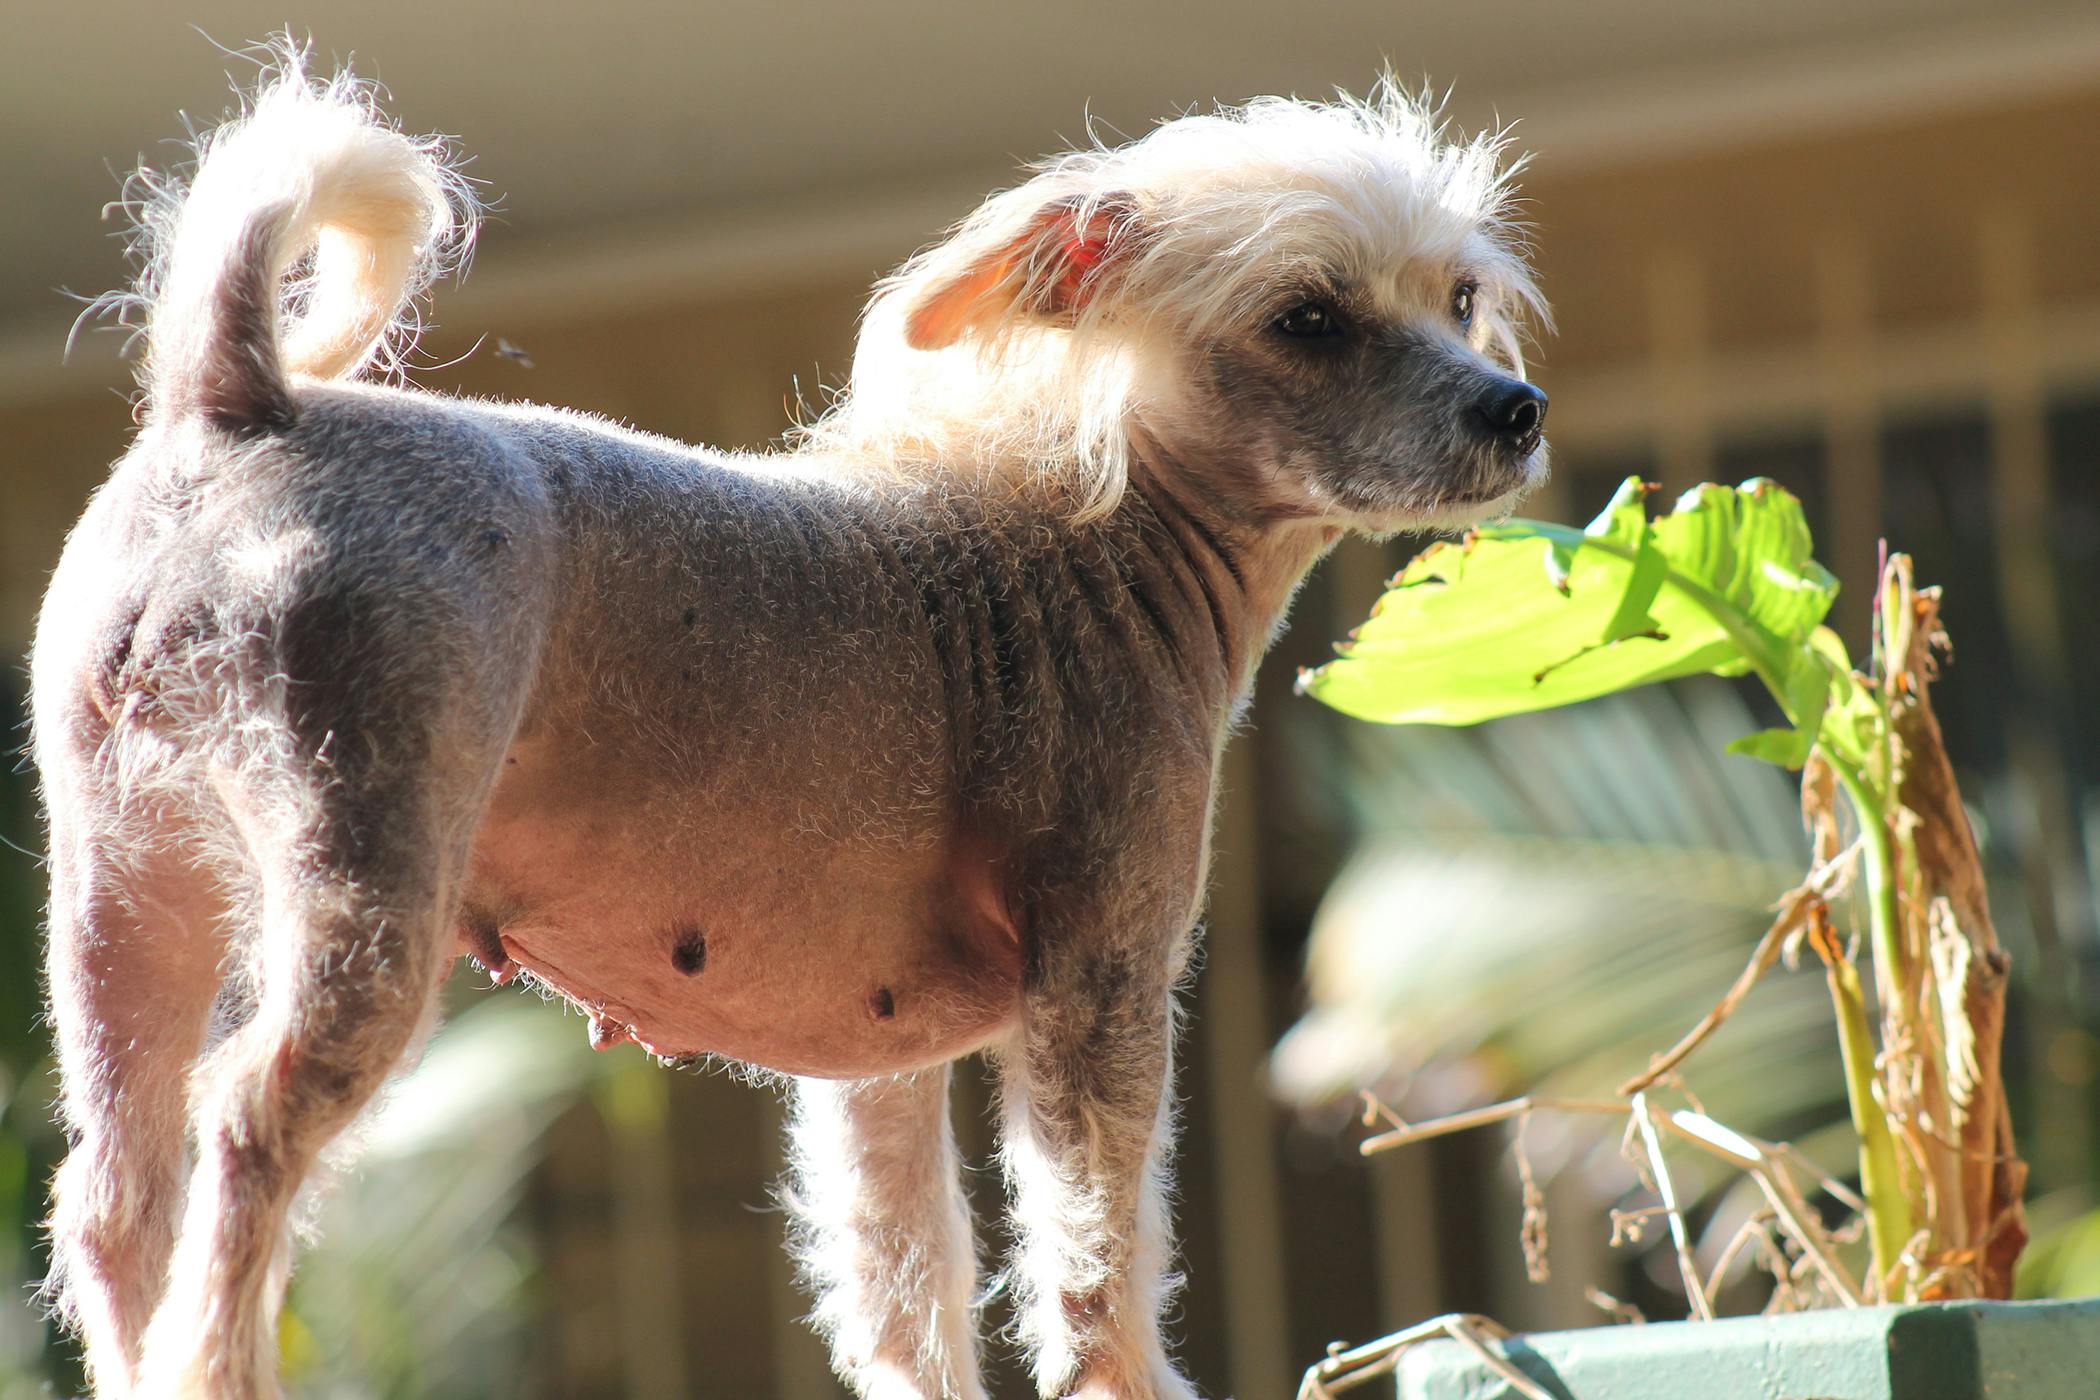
[[918, 722], [370, 217]]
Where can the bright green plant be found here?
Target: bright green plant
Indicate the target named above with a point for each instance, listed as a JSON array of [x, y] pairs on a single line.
[[1527, 615]]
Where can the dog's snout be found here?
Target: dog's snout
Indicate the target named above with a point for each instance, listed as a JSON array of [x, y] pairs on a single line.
[[1513, 412]]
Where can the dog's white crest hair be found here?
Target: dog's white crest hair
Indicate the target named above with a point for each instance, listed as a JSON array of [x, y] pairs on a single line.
[[311, 179], [1019, 345]]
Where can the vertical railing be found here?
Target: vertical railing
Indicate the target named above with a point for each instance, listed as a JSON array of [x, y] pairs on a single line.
[[1233, 1022], [1850, 419]]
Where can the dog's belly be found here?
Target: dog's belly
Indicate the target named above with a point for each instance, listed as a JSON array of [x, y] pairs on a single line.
[[782, 954], [869, 1003]]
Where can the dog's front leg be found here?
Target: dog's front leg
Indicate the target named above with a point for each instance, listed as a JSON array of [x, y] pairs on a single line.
[[883, 1234], [1088, 1123]]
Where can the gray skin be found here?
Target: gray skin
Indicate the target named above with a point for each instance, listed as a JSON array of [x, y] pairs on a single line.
[[788, 760]]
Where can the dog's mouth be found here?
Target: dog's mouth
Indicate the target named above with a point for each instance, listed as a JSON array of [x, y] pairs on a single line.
[[1526, 474], [1479, 499], [1460, 496]]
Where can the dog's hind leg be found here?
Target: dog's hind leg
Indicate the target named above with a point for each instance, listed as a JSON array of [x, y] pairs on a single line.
[[883, 1234], [354, 932], [355, 794], [134, 964]]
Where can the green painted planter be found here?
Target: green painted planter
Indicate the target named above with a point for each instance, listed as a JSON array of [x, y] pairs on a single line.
[[1938, 1351]]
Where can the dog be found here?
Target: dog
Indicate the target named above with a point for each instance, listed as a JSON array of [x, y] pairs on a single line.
[[842, 761]]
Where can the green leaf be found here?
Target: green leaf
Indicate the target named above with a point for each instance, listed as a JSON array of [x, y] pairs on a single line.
[[1624, 523], [1854, 725], [1786, 747], [1474, 631]]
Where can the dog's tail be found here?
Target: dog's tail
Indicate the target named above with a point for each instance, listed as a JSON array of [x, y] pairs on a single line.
[[315, 182]]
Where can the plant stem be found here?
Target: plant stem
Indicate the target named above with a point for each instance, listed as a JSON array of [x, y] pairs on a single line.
[[1888, 1209], [1889, 1221]]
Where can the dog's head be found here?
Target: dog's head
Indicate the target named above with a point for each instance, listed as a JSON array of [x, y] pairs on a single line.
[[1313, 308]]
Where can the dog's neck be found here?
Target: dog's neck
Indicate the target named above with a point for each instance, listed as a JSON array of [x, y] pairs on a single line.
[[1250, 563]]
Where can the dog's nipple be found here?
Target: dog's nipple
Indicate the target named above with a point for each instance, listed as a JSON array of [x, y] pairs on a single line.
[[689, 951], [605, 1033], [485, 946]]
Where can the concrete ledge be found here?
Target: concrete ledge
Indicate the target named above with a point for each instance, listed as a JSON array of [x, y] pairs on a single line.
[[1941, 1351]]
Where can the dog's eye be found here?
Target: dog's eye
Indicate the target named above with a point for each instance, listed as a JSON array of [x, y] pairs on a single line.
[[1310, 320], [1462, 302]]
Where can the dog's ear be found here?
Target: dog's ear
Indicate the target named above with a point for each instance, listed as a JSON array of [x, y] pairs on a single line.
[[1047, 271]]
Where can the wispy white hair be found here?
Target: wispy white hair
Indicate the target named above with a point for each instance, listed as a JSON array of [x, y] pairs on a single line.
[[1196, 229], [313, 179]]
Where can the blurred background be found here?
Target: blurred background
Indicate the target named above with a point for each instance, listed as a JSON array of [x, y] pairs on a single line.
[[1849, 246]]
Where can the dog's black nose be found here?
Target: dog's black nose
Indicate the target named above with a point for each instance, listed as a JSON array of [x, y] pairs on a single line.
[[1514, 413]]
